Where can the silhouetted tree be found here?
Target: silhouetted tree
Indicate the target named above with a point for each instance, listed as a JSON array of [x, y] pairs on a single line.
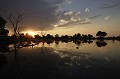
[[15, 24], [84, 36], [21, 37], [118, 38], [3, 31], [28, 37], [56, 36], [101, 34], [48, 36], [74, 36], [2, 23], [90, 36], [37, 36], [78, 36], [65, 37]]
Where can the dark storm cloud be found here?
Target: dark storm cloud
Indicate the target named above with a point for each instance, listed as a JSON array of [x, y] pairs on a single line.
[[39, 13], [44, 14]]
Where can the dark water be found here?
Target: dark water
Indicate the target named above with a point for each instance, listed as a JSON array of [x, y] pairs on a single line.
[[62, 61]]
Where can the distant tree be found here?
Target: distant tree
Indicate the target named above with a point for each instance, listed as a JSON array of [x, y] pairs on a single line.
[[90, 36], [49, 36], [118, 36], [74, 36], [98, 33], [27, 36], [84, 36], [37, 36], [65, 37], [78, 36], [56, 36], [101, 34]]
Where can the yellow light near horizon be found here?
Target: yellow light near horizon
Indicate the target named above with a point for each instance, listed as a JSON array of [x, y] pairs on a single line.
[[31, 33]]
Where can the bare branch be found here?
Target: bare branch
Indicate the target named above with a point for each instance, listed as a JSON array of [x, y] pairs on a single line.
[[43, 33], [13, 24], [19, 18]]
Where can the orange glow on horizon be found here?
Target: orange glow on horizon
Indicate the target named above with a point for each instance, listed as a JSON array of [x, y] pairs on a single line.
[[32, 33]]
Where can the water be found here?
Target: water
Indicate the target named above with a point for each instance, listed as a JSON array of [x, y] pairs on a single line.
[[62, 60]]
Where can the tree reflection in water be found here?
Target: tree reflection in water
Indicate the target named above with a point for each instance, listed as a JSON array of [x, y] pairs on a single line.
[[101, 43], [66, 57]]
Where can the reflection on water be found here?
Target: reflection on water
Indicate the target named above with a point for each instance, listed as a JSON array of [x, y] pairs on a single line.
[[60, 60]]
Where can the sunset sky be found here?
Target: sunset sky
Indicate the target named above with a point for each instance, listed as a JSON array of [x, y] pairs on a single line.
[[65, 16]]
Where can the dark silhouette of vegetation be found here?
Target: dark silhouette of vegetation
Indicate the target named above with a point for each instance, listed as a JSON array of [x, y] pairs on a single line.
[[4, 42], [77, 38], [3, 31], [101, 34], [2, 23], [37, 36], [15, 25], [18, 37], [4, 38]]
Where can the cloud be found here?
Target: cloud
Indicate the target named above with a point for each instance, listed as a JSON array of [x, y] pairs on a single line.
[[87, 10], [107, 17], [110, 6], [45, 14], [38, 13], [70, 18], [93, 17]]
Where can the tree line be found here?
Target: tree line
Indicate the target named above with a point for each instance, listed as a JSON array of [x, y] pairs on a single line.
[[26, 37]]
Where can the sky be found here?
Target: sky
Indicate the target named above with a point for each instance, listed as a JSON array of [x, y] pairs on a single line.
[[64, 16]]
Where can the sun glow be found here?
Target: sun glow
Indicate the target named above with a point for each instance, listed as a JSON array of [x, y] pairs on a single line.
[[32, 33]]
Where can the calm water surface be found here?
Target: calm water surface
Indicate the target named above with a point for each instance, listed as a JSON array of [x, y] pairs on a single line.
[[62, 61]]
